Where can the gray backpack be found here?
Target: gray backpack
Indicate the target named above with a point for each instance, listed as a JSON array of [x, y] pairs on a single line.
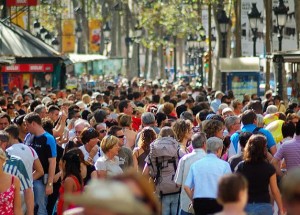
[[163, 160]]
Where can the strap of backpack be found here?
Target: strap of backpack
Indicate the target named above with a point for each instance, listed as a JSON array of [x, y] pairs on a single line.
[[158, 173], [256, 130]]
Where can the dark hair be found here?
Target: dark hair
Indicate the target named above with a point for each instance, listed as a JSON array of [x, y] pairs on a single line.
[[48, 125], [256, 149], [212, 127], [147, 136], [34, 104], [160, 117], [248, 117], [123, 104], [256, 106], [33, 117], [5, 115], [155, 99], [87, 134], [72, 165], [13, 131], [180, 109], [19, 120], [113, 130], [298, 128], [243, 138], [17, 102], [230, 186], [288, 129], [53, 108], [181, 127]]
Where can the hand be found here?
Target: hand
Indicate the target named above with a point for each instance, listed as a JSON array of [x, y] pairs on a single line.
[[94, 151], [64, 115], [49, 190]]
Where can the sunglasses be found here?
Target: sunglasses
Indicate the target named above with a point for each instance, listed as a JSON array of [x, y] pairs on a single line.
[[102, 131], [121, 136]]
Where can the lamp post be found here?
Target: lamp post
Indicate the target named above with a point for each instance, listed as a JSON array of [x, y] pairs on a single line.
[[223, 21], [43, 32], [48, 38], [36, 27], [202, 39], [55, 44], [138, 33], [78, 32], [106, 33], [280, 12], [254, 16]]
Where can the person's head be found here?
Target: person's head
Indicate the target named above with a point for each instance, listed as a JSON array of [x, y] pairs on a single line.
[[214, 145], [256, 106], [71, 165], [183, 129], [89, 137], [148, 119], [186, 115], [248, 117], [232, 123], [290, 191], [41, 110], [199, 140], [243, 139], [292, 117], [118, 132], [168, 108], [53, 112], [233, 188], [19, 121], [110, 144], [271, 109], [227, 112], [219, 95], [167, 132], [125, 120], [213, 128], [3, 157], [86, 99], [255, 150], [160, 118], [147, 136], [288, 129], [33, 121], [125, 107], [102, 130], [4, 140], [237, 105], [13, 132], [4, 120], [79, 126]]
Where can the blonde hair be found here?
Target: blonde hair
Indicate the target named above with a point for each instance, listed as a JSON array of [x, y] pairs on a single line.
[[124, 120], [108, 142], [181, 127], [2, 155], [86, 99]]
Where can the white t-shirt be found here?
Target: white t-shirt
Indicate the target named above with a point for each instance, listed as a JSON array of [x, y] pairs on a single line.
[[86, 153], [27, 154]]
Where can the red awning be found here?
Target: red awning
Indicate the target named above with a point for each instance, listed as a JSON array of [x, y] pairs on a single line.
[[28, 68], [10, 3]]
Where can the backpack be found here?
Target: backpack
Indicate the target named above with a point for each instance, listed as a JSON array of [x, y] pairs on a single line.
[[163, 160]]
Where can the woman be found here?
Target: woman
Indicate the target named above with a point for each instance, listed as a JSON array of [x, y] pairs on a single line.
[[125, 122], [232, 194], [140, 153], [183, 131], [72, 180], [108, 164], [260, 175], [214, 128], [10, 199]]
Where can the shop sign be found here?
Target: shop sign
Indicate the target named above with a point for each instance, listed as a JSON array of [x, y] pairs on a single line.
[[28, 68], [10, 3]]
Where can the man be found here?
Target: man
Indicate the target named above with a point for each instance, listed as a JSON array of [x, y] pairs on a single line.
[[125, 106], [201, 184], [125, 154], [290, 152], [217, 101], [199, 146], [45, 146], [102, 129], [249, 121], [4, 120], [18, 108], [15, 166], [41, 110], [53, 113]]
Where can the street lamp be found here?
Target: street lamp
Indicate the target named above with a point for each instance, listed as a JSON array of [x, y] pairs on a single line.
[[106, 33], [223, 21], [48, 38], [43, 32], [138, 33], [254, 16], [280, 12], [36, 27], [202, 39], [78, 31], [55, 44]]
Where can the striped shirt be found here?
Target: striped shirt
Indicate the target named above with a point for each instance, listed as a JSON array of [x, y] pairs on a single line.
[[290, 151], [15, 166]]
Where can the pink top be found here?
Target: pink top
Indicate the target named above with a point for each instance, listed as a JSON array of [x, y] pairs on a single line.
[[7, 200]]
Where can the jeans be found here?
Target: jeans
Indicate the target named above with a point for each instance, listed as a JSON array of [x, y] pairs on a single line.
[[182, 212], [259, 209], [40, 197], [170, 204]]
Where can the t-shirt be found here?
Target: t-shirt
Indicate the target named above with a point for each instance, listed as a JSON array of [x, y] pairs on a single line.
[[45, 147], [110, 166], [125, 158], [258, 176], [235, 160], [26, 153]]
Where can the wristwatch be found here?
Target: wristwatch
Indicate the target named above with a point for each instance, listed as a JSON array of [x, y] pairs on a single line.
[[50, 184]]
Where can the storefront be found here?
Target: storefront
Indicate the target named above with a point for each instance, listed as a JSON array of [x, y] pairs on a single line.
[[36, 63]]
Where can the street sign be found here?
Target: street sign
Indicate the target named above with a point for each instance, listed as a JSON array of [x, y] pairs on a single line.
[[11, 3]]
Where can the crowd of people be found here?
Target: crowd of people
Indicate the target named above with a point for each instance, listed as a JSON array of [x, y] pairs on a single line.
[[148, 149]]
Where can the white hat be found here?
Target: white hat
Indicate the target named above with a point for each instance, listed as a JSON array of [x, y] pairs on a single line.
[[81, 105], [46, 100], [113, 196], [225, 110]]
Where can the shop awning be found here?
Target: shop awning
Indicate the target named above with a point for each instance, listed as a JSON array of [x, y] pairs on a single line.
[[83, 58], [242, 64], [16, 42], [292, 56]]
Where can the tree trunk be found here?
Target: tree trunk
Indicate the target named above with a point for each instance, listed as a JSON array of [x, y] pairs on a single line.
[[268, 8], [146, 63], [154, 66], [238, 28]]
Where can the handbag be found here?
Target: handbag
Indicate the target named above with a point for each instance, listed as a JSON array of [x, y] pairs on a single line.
[[191, 209]]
